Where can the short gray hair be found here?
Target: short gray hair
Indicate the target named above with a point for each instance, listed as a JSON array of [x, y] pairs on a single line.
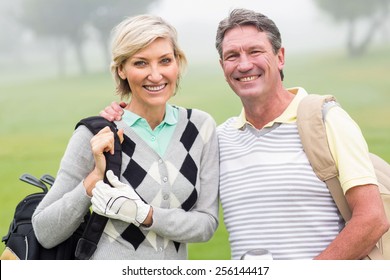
[[244, 17]]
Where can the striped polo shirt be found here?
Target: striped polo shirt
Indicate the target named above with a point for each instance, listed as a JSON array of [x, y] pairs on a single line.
[[269, 193]]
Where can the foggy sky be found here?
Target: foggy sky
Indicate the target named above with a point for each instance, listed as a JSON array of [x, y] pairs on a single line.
[[302, 26], [304, 29]]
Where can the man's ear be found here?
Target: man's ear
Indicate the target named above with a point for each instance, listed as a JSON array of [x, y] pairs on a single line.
[[281, 58], [221, 62], [223, 70]]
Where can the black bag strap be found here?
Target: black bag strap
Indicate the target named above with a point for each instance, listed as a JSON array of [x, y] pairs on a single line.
[[88, 242]]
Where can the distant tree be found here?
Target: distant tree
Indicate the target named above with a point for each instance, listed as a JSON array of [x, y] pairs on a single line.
[[376, 12], [58, 19], [107, 14], [66, 21], [8, 41]]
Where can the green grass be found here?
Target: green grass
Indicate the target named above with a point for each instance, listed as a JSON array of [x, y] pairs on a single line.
[[37, 117]]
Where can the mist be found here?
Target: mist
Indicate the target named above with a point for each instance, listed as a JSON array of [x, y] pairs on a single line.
[[304, 27]]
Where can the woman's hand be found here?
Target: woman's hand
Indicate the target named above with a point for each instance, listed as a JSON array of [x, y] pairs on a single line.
[[102, 142]]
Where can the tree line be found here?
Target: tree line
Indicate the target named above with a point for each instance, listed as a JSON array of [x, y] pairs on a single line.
[[69, 20]]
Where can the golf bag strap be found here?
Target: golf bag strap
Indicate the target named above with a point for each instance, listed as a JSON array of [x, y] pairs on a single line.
[[311, 127], [88, 242]]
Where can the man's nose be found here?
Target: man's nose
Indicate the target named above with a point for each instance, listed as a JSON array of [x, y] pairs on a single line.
[[244, 64]]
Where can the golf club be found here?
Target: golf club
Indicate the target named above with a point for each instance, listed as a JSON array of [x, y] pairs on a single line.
[[28, 178], [48, 179]]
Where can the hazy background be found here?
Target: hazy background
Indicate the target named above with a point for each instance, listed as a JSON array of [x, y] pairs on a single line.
[[54, 70], [305, 27]]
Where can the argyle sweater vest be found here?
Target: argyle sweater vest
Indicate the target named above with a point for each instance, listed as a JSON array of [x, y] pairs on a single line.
[[171, 181]]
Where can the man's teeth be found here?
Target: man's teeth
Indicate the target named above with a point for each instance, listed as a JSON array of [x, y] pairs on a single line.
[[247, 79], [155, 88]]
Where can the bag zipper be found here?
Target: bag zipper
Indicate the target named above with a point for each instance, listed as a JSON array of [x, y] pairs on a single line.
[[26, 243]]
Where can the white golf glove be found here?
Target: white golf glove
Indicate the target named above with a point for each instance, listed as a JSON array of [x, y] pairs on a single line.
[[120, 202]]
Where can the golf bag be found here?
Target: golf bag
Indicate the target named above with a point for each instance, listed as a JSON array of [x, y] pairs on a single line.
[[21, 242]]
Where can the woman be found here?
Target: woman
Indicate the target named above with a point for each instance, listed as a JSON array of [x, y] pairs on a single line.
[[167, 193]]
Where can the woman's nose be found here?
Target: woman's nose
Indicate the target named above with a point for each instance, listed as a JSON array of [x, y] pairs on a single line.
[[155, 74]]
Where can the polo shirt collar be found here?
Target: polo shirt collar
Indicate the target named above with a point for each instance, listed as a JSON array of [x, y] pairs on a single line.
[[288, 116], [170, 118]]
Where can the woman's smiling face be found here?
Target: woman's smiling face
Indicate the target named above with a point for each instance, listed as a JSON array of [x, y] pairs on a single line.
[[152, 75]]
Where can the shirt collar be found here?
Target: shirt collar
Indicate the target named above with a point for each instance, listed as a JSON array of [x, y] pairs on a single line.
[[170, 118], [288, 116]]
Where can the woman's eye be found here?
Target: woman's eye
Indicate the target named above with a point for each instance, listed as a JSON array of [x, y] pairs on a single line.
[[166, 60], [140, 63]]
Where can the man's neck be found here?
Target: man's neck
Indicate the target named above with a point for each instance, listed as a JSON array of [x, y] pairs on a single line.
[[261, 112]]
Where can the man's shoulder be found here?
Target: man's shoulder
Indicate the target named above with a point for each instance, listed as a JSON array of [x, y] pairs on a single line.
[[228, 124]]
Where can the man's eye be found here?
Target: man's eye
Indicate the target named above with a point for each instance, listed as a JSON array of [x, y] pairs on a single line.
[[255, 52], [231, 57]]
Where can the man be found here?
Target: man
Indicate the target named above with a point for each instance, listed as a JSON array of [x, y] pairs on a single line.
[[269, 193]]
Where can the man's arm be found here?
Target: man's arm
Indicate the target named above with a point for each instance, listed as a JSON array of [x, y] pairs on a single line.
[[361, 233], [113, 112]]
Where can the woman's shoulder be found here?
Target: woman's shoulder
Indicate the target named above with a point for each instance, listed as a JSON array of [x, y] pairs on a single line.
[[195, 114], [80, 138]]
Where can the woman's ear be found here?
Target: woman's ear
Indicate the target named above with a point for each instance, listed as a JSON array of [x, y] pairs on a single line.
[[121, 72]]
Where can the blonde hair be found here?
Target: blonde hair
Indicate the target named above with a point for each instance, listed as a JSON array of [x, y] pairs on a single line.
[[132, 35]]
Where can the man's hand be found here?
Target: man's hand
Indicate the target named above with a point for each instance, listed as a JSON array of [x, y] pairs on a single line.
[[120, 202], [113, 112]]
